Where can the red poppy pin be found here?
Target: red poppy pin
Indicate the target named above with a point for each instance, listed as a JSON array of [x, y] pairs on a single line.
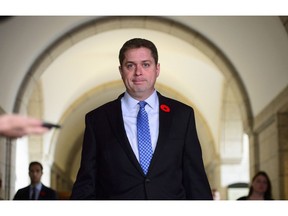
[[165, 108], [42, 193]]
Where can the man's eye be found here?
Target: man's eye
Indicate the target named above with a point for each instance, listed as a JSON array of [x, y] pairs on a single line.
[[129, 65], [145, 65]]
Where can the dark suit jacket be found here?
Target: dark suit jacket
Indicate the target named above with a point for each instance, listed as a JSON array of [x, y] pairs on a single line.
[[46, 193], [110, 170]]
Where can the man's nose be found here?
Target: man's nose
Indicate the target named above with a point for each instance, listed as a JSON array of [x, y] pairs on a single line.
[[138, 70]]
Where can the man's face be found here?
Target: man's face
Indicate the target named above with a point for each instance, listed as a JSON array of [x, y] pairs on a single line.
[[35, 174], [139, 73]]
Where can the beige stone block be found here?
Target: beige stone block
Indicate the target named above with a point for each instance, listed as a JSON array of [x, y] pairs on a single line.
[[40, 65], [232, 112], [61, 46], [107, 24], [282, 119], [224, 67], [268, 148], [233, 130], [83, 33], [283, 140], [268, 131], [133, 22], [205, 47], [185, 34], [283, 160], [284, 187]]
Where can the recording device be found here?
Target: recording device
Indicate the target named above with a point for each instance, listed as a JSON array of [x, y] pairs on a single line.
[[50, 125]]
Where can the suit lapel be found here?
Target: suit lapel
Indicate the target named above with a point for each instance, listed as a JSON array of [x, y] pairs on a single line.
[[165, 117], [114, 114], [27, 193]]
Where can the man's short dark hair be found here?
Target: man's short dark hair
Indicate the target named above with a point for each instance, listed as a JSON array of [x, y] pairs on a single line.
[[35, 163], [138, 43]]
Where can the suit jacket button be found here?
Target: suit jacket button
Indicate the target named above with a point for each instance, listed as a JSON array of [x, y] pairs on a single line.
[[147, 180]]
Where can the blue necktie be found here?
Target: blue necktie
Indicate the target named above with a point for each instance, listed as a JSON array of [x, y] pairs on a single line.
[[144, 138], [33, 196]]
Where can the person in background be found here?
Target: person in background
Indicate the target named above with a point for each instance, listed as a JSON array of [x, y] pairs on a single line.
[[36, 190], [16, 126], [260, 188], [141, 145], [216, 194]]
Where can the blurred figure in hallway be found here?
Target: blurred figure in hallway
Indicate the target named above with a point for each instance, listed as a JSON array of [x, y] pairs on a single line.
[[260, 188], [36, 190], [216, 194]]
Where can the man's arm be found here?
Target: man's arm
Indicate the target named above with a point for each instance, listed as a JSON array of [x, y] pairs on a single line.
[[195, 178]]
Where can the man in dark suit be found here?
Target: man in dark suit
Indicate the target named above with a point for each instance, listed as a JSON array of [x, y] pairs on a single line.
[[111, 164], [36, 190]]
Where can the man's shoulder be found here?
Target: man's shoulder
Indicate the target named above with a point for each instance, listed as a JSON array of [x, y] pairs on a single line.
[[106, 106], [243, 198], [44, 187], [24, 188], [48, 193], [172, 102], [22, 193]]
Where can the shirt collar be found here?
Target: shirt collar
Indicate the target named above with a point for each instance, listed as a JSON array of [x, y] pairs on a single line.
[[133, 104], [38, 186]]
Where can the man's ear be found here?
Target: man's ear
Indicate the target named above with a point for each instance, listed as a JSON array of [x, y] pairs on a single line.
[[120, 70], [158, 69]]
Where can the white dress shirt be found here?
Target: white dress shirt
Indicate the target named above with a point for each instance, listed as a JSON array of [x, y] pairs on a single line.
[[130, 110], [38, 189]]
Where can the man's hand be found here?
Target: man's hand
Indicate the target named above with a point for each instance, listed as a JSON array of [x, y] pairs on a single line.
[[15, 126]]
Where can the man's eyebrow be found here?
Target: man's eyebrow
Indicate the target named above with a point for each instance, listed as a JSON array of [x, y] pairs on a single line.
[[147, 60]]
